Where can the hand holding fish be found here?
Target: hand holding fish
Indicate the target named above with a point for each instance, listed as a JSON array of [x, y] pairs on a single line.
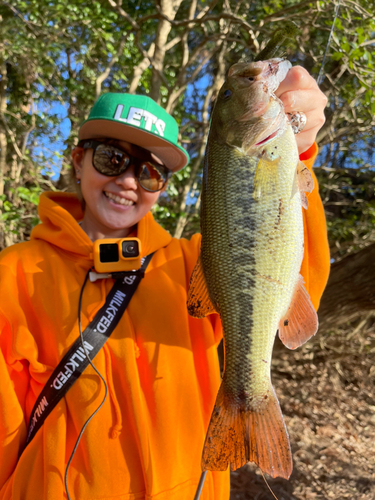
[[300, 92]]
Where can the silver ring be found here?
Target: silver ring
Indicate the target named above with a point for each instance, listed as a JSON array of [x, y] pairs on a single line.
[[298, 120]]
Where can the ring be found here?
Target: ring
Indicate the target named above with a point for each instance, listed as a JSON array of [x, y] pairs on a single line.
[[298, 120]]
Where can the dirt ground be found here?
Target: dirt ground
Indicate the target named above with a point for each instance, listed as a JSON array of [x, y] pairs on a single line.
[[327, 393]]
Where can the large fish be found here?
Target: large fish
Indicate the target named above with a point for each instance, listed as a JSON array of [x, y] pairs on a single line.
[[248, 271]]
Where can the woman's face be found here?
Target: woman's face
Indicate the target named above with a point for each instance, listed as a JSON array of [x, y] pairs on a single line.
[[114, 205]]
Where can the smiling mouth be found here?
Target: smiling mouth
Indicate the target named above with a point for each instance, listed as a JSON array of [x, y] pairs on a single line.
[[274, 134], [118, 199]]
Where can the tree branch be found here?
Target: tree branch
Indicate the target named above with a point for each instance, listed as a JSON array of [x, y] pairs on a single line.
[[25, 21], [106, 72], [181, 223], [124, 14], [140, 68], [11, 135]]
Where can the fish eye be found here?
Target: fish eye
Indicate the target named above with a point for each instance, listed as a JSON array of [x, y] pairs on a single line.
[[227, 94]]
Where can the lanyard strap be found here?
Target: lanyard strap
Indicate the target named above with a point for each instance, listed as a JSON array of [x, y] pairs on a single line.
[[95, 335]]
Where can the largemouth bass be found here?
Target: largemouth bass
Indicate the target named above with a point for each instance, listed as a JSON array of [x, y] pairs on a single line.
[[248, 271]]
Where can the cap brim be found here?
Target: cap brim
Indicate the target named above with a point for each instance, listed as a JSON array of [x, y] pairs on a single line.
[[171, 155]]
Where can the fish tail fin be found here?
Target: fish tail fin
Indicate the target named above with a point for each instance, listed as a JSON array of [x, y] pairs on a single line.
[[237, 435]]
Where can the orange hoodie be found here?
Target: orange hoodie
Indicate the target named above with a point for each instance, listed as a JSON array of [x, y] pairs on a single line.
[[160, 366]]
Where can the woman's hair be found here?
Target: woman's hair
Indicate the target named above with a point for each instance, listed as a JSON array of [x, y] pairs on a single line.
[[73, 177], [77, 185]]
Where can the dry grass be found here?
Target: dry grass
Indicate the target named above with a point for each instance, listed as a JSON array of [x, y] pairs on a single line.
[[327, 393]]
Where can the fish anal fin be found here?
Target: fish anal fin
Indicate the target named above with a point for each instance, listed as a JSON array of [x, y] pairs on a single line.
[[199, 303], [237, 435], [300, 322], [305, 182]]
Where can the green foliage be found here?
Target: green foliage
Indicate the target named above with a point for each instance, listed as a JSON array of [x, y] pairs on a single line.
[[56, 52], [349, 199], [20, 214]]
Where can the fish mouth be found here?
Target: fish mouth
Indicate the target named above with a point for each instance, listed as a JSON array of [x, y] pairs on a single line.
[[277, 125], [268, 138]]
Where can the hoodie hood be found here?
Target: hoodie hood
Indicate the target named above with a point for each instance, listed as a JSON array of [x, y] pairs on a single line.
[[60, 214]]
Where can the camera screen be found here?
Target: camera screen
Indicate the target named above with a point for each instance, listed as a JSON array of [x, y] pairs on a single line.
[[108, 252], [130, 248]]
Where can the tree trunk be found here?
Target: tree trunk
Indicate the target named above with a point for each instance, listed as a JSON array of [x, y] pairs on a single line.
[[3, 139], [76, 115], [350, 292], [169, 8]]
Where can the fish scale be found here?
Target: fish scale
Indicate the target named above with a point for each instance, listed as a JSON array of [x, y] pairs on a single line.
[[248, 269], [241, 264]]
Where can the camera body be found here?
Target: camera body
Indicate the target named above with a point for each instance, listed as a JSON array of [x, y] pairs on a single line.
[[113, 255]]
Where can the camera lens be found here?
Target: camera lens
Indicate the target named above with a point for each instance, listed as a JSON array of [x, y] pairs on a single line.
[[130, 249]]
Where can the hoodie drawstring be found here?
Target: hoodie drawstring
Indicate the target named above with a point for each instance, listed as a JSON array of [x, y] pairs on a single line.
[[115, 431]]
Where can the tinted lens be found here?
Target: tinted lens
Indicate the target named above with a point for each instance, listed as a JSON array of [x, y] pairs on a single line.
[[152, 177], [108, 160]]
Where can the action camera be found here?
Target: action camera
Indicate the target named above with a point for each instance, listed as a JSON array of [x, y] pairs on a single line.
[[115, 255]]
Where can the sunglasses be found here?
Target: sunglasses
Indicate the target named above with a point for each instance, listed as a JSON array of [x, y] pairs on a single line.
[[111, 161]]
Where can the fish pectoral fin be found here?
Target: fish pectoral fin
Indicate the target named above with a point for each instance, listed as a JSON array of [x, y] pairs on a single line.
[[305, 182], [265, 177], [300, 321], [199, 303], [237, 435]]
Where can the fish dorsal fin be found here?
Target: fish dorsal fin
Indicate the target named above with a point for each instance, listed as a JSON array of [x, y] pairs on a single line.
[[199, 303], [300, 321], [305, 182]]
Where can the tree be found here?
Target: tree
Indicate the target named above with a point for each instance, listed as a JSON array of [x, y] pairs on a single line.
[[178, 52]]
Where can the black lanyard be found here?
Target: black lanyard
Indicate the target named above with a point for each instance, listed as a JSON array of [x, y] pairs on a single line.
[[95, 335]]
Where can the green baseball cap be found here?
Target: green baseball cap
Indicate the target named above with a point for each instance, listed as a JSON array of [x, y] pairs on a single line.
[[139, 120]]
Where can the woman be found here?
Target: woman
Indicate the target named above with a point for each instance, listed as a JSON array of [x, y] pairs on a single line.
[[160, 365]]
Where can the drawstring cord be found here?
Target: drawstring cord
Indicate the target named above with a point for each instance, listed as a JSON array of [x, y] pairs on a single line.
[[102, 379], [117, 427]]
